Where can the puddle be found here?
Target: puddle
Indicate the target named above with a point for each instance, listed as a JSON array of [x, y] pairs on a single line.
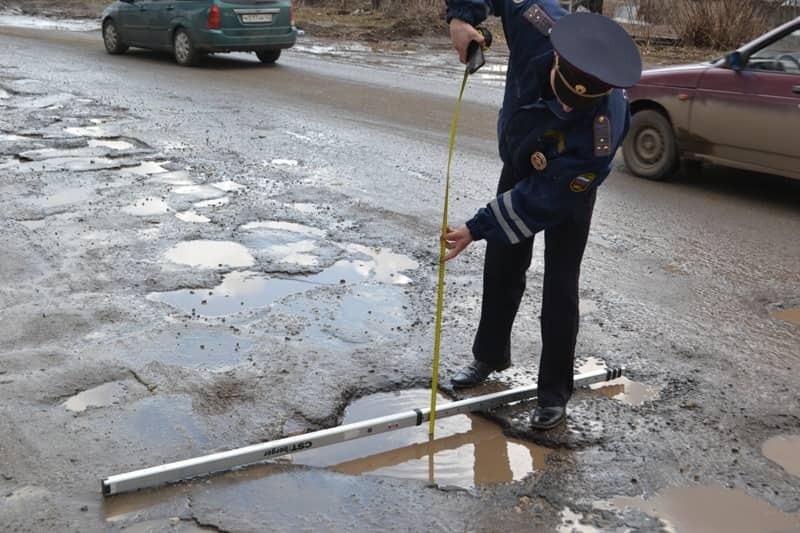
[[42, 102], [4, 94], [100, 396], [191, 216], [147, 207], [24, 21], [75, 164], [305, 208], [298, 253], [97, 131], [4, 137], [148, 168], [190, 348], [162, 422], [34, 224], [114, 145], [789, 315], [386, 266], [468, 450], [216, 202], [280, 226], [210, 254], [623, 389], [703, 509], [64, 196], [228, 186], [199, 192], [240, 291], [283, 163], [784, 450], [176, 177]]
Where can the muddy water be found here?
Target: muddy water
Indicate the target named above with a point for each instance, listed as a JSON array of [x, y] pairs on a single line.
[[706, 509], [789, 315], [147, 207], [468, 450], [784, 450], [622, 389], [209, 349]]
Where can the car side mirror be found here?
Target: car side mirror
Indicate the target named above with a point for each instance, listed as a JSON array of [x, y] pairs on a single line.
[[735, 61]]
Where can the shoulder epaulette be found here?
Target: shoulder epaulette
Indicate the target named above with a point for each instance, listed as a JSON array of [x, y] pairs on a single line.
[[602, 136], [539, 18]]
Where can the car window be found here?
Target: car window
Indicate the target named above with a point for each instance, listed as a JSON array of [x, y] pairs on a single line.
[[781, 56]]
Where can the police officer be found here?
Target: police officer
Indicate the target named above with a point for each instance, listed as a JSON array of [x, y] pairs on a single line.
[[564, 115]]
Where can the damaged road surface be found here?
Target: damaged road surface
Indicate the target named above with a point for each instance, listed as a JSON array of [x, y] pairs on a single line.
[[195, 260]]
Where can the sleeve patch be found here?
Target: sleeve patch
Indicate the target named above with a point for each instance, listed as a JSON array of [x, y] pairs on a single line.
[[539, 19], [602, 136]]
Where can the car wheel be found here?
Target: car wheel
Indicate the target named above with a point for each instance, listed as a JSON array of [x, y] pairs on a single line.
[[111, 39], [650, 149], [268, 56], [184, 51]]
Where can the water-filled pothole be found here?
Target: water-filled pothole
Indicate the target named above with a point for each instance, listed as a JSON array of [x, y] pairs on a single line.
[[101, 396], [467, 451], [622, 389], [245, 290], [702, 509], [192, 216], [147, 207], [210, 254], [784, 450], [190, 348], [162, 422]]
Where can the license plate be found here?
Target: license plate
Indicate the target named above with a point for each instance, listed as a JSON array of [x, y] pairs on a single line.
[[256, 18]]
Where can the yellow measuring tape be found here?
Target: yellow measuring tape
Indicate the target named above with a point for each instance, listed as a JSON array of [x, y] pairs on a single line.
[[442, 251]]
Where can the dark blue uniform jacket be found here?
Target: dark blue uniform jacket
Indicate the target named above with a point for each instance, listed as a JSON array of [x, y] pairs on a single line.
[[579, 146]]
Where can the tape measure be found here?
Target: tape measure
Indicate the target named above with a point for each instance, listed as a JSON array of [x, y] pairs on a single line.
[[474, 51]]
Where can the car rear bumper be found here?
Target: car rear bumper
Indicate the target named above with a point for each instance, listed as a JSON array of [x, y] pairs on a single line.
[[244, 40]]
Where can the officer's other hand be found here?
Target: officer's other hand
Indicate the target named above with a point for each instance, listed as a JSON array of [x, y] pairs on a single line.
[[462, 33], [456, 240]]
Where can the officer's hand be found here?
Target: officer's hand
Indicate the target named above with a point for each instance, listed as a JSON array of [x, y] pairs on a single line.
[[456, 240], [462, 33]]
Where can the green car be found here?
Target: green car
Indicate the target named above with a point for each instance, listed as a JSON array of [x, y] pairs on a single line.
[[193, 28]]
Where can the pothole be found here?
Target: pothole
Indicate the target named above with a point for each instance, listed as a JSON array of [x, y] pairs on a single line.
[[214, 202], [96, 131], [162, 422], [571, 523], [192, 216], [622, 389], [199, 192], [175, 177], [101, 396], [210, 254], [468, 450], [147, 207], [702, 509], [112, 144], [245, 290], [190, 348], [784, 450]]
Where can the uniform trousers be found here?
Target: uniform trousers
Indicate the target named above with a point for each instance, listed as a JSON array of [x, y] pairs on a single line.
[[504, 279]]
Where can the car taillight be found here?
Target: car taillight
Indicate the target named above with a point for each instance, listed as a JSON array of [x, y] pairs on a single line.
[[214, 21], [291, 21]]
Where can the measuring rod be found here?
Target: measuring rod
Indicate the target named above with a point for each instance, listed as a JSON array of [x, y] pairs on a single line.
[[218, 462]]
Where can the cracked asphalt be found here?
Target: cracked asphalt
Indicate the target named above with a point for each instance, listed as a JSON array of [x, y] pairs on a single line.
[[196, 260]]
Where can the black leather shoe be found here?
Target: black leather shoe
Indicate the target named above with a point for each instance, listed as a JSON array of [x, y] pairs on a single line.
[[473, 374], [547, 417]]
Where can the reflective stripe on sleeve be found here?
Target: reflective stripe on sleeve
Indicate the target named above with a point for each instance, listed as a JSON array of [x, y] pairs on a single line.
[[526, 232], [495, 207]]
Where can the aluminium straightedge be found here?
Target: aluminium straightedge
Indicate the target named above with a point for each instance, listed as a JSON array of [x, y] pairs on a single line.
[[221, 461]]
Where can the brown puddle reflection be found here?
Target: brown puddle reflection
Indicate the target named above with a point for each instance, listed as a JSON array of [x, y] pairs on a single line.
[[703, 509], [789, 315], [784, 450], [622, 389], [468, 450]]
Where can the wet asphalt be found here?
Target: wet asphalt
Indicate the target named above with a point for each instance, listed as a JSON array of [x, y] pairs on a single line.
[[200, 259]]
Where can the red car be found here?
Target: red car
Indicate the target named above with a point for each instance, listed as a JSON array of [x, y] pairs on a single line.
[[740, 111]]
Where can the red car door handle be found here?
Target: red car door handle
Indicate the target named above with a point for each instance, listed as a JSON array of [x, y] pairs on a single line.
[[796, 89]]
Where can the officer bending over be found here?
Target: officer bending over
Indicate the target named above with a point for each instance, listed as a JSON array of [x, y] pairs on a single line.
[[564, 115]]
